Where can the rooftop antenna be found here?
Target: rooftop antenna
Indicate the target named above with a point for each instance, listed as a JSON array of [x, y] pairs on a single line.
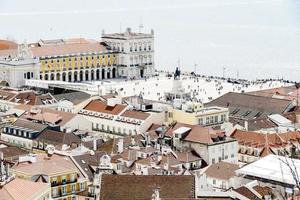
[[224, 69]]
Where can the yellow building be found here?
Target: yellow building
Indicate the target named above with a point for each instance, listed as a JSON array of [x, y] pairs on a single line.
[[60, 171], [75, 60], [195, 114]]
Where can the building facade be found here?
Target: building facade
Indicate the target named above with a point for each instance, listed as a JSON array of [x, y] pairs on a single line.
[[135, 53], [14, 70], [119, 55]]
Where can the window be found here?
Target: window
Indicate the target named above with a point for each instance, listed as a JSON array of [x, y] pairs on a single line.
[[73, 188], [201, 121], [54, 192], [207, 120], [216, 119], [54, 181], [211, 119], [63, 180], [72, 178], [81, 186], [214, 181], [213, 161], [63, 190], [232, 155]]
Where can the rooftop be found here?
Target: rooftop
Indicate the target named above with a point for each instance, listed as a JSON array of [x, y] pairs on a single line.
[[15, 190], [102, 107], [47, 166], [135, 114], [248, 106], [142, 187], [222, 170], [273, 168]]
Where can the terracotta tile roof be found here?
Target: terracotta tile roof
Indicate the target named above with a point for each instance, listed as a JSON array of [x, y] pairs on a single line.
[[8, 52], [222, 170], [31, 98], [170, 160], [247, 193], [7, 94], [10, 151], [263, 190], [135, 114], [6, 44], [201, 135], [171, 129], [67, 49], [125, 187], [261, 138], [15, 190], [196, 133], [188, 156], [44, 165], [100, 106], [64, 116]]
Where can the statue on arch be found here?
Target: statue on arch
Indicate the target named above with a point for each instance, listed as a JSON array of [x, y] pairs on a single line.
[[177, 74]]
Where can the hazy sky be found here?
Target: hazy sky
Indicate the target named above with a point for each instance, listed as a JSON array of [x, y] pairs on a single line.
[[257, 38]]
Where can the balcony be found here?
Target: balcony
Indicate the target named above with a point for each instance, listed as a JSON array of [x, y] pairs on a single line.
[[54, 184]]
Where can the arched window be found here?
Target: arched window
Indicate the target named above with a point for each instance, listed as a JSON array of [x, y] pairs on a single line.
[[103, 73], [86, 75], [58, 76], [81, 75]]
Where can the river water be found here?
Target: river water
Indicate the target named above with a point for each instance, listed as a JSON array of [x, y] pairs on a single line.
[[249, 38]]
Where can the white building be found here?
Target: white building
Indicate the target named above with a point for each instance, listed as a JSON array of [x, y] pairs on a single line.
[[278, 172], [113, 119], [211, 145], [136, 58], [15, 70]]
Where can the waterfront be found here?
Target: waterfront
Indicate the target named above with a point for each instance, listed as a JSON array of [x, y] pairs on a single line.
[[251, 39]]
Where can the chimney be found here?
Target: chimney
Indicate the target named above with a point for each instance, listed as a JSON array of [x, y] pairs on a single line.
[[94, 144], [120, 145], [246, 125]]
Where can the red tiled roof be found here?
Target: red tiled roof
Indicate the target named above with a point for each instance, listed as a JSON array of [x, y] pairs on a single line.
[[222, 170], [135, 114], [69, 48], [6, 44], [100, 106], [265, 140]]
